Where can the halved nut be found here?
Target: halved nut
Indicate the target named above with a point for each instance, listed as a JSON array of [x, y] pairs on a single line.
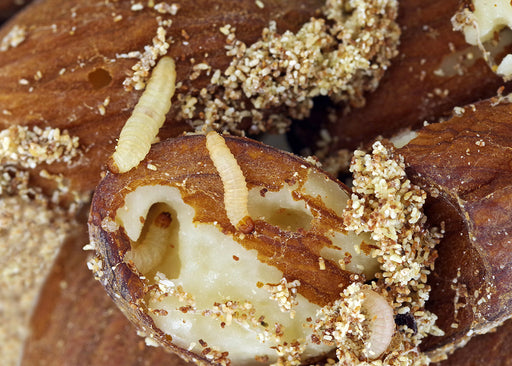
[[200, 286]]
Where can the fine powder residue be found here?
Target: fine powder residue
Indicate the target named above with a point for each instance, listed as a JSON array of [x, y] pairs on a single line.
[[341, 56], [389, 207], [29, 147]]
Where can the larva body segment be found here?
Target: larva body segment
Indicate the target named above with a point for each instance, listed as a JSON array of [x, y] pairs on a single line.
[[147, 117], [236, 194], [382, 325]]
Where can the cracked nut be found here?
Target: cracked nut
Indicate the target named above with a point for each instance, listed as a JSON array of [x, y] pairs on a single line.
[[223, 250]]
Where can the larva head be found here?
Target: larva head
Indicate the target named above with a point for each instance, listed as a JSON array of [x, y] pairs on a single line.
[[214, 291]]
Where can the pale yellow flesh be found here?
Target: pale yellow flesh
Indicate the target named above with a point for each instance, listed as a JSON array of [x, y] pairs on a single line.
[[213, 267], [491, 16], [488, 18]]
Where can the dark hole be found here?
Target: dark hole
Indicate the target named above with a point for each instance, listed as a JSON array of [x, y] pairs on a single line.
[[407, 320], [99, 78]]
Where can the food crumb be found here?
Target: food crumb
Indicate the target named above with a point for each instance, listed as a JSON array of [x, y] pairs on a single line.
[[28, 147], [14, 38], [297, 67], [147, 60], [137, 7], [285, 293], [164, 8]]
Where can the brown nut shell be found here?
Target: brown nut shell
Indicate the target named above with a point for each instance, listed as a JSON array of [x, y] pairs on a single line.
[[490, 349], [465, 165], [9, 7], [435, 71], [69, 63], [184, 163]]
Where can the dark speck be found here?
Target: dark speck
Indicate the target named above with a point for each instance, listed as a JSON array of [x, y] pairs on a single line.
[[407, 320]]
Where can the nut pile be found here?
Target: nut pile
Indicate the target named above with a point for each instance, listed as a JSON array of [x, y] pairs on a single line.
[[226, 251]]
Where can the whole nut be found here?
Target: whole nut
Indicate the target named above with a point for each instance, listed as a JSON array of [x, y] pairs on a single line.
[[78, 86], [244, 66], [465, 165]]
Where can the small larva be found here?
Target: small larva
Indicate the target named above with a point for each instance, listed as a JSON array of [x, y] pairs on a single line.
[[236, 194], [380, 316], [147, 117]]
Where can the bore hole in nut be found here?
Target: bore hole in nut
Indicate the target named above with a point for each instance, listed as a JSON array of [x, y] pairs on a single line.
[[158, 245], [99, 78], [289, 219], [280, 209]]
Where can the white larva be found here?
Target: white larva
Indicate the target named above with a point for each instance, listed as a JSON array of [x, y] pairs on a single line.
[[147, 117], [381, 320], [236, 194]]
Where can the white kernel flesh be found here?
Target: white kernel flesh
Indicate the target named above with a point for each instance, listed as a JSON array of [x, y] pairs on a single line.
[[201, 262]]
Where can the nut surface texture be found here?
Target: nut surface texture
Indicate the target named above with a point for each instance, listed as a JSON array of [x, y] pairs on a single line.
[[464, 163]]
